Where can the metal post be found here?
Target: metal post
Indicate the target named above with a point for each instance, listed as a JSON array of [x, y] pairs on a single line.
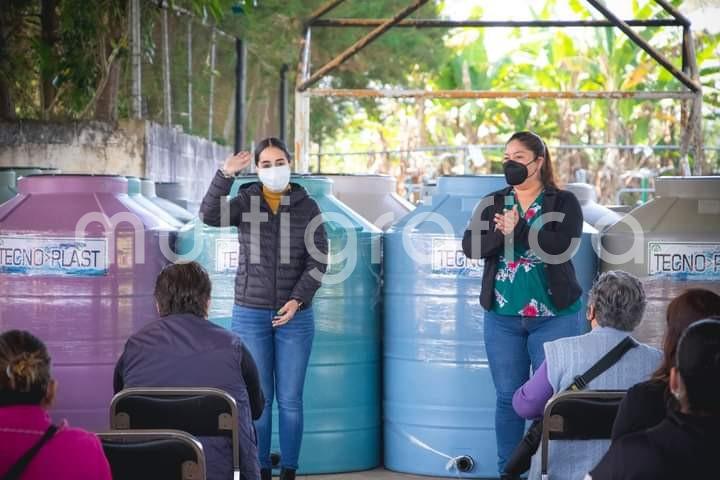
[[136, 56], [360, 44], [434, 23], [323, 10], [167, 103], [640, 42], [524, 95], [302, 131], [211, 99], [189, 75], [240, 89], [283, 102]]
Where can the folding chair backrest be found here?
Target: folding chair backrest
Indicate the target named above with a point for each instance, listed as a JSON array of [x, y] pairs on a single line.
[[153, 455], [202, 412], [582, 415]]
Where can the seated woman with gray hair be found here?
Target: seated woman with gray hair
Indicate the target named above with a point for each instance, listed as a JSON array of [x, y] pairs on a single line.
[[615, 307]]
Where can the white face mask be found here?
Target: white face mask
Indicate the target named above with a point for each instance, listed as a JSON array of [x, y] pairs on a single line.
[[276, 179]]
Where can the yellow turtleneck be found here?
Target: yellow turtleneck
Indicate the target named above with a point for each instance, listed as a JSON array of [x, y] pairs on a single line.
[[272, 198]]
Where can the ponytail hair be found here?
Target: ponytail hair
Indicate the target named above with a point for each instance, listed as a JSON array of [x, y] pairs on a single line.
[[24, 369], [537, 145]]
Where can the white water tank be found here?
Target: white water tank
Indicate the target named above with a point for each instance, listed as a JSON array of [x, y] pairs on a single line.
[[675, 245], [595, 214], [372, 196]]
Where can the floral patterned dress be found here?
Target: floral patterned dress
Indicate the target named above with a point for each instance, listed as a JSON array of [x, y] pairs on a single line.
[[520, 284]]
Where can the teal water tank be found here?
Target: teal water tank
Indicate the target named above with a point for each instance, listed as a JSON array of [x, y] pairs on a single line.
[[439, 397], [342, 388]]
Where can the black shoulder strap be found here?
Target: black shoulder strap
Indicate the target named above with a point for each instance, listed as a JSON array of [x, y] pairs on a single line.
[[610, 359], [19, 467]]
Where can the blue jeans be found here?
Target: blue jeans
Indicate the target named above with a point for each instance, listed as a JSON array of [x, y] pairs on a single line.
[[281, 355], [514, 344]]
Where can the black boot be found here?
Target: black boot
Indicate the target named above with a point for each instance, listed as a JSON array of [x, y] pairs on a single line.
[[287, 474], [265, 474]]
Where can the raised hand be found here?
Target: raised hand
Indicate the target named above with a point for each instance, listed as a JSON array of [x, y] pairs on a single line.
[[235, 163]]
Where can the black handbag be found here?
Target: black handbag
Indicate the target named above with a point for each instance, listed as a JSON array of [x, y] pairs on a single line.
[[521, 457]]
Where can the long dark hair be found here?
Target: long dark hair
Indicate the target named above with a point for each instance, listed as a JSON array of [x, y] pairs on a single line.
[[537, 145], [685, 309], [271, 142], [24, 369]]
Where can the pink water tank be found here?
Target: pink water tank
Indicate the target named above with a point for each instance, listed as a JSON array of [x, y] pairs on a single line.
[[78, 262]]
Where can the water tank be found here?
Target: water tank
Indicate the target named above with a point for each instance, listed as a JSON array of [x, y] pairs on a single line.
[[439, 398], [7, 184], [342, 389], [678, 246], [372, 196], [179, 213], [135, 192], [173, 191], [595, 214], [82, 295]]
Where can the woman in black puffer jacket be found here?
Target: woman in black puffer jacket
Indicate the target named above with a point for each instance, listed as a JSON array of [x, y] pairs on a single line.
[[278, 274]]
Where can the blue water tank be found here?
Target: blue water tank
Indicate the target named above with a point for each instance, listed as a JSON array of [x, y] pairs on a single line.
[[342, 388], [439, 398]]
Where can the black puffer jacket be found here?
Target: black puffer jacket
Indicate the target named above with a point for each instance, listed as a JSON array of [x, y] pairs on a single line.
[[277, 273]]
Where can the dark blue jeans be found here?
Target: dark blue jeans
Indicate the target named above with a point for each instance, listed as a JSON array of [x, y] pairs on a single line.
[[281, 355], [514, 344]]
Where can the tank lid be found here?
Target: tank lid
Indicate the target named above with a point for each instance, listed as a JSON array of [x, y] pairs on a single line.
[[69, 183], [365, 184], [584, 192], [175, 189], [148, 187], [688, 187], [134, 186], [468, 185]]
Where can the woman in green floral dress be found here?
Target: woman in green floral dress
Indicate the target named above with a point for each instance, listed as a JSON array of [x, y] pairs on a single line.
[[526, 233]]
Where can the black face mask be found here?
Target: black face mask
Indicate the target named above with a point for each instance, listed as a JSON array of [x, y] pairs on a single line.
[[515, 172]]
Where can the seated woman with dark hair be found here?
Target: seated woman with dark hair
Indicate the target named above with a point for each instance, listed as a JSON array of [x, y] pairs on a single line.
[[646, 403], [686, 443], [31, 446], [184, 349]]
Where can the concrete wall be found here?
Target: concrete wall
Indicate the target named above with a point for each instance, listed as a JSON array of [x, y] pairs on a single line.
[[174, 156], [75, 147], [134, 147]]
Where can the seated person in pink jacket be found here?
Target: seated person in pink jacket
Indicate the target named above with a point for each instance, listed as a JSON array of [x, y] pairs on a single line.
[[31, 446]]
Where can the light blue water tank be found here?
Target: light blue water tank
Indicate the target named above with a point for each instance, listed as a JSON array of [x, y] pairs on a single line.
[[342, 388], [439, 398]]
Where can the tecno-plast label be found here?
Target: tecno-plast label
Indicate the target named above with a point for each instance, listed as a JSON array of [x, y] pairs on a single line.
[[684, 259], [61, 256]]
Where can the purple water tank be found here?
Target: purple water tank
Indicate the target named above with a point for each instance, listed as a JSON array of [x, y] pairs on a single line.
[[78, 262]]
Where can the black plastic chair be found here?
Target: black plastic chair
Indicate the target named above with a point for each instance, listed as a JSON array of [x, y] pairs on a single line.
[[153, 455], [202, 412], [582, 415]]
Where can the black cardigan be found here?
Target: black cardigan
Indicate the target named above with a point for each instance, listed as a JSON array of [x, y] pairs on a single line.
[[681, 447], [482, 240], [644, 406]]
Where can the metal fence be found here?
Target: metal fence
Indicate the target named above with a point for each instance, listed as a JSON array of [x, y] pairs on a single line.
[[186, 71]]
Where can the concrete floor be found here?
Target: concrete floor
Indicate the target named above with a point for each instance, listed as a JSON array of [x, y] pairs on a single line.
[[377, 474]]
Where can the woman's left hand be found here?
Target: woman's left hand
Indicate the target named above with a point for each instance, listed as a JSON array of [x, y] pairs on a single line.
[[506, 223], [286, 313]]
